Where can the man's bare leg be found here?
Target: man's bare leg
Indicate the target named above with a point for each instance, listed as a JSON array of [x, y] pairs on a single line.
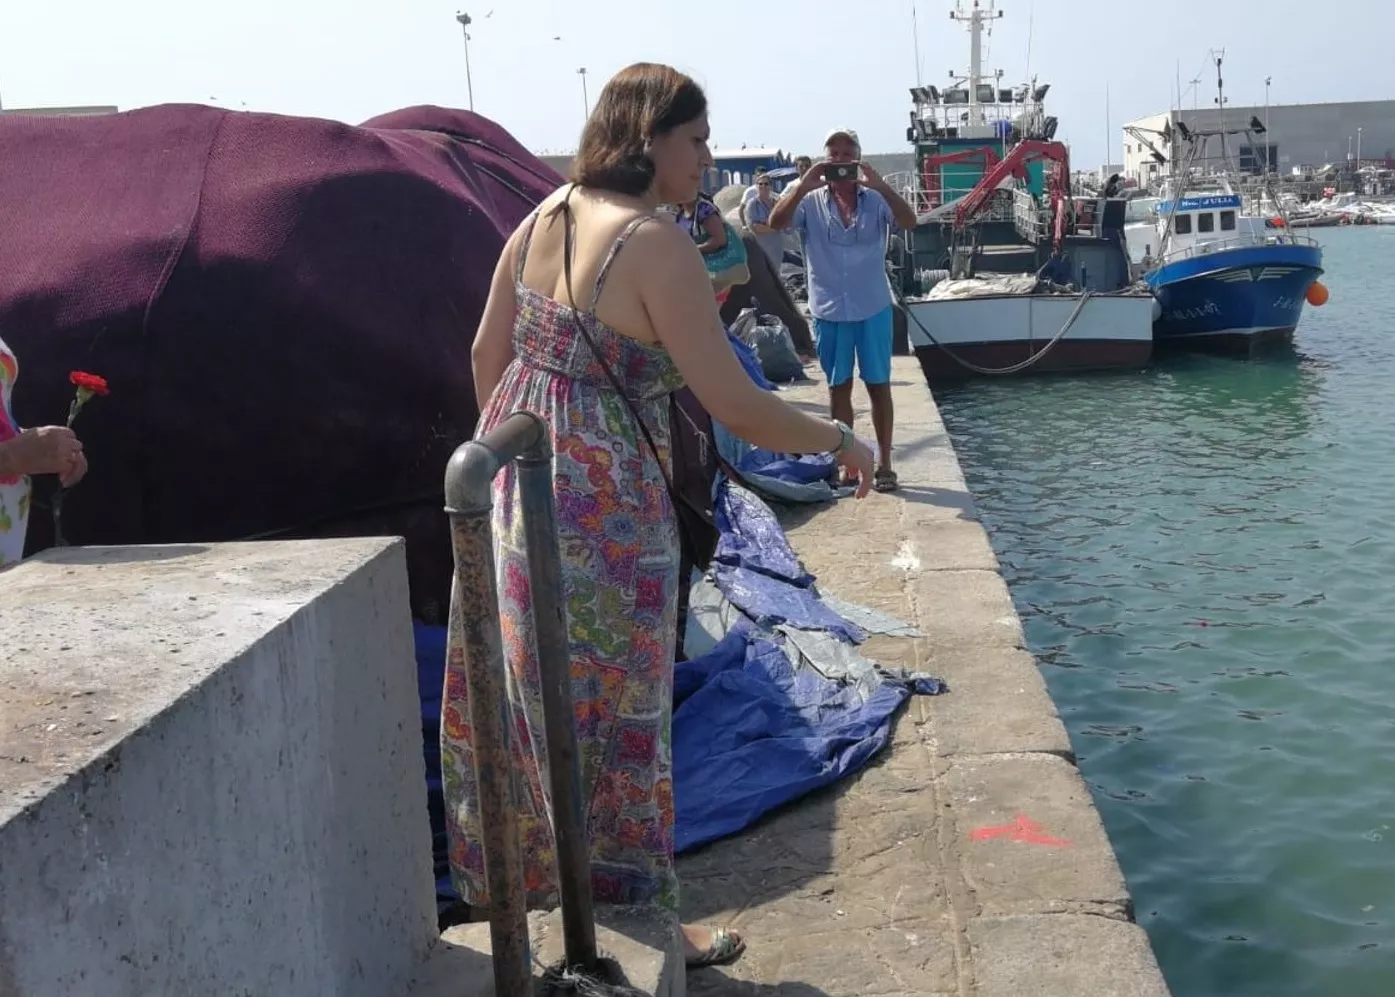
[[840, 406], [883, 418]]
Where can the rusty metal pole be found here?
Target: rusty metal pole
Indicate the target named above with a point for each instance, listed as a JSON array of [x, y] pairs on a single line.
[[475, 647], [559, 716]]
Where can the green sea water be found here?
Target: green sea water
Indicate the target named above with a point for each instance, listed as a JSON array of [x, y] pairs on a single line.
[[1203, 556]]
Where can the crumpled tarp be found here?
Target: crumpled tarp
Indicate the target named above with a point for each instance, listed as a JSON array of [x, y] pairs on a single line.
[[776, 700], [758, 571]]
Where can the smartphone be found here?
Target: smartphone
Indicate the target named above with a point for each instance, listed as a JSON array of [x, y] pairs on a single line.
[[841, 171]]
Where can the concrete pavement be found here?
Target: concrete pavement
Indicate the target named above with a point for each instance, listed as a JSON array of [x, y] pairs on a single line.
[[969, 858]]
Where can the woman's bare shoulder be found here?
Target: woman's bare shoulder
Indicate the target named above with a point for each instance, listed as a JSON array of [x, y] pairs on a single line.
[[660, 243]]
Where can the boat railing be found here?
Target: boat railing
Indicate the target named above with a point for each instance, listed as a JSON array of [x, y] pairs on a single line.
[[939, 206], [1235, 242], [1027, 216]]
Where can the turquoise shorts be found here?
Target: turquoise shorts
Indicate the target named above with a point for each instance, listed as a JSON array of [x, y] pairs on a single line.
[[868, 340]]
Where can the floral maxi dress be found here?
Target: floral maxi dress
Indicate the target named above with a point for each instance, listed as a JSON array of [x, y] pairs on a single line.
[[620, 553]]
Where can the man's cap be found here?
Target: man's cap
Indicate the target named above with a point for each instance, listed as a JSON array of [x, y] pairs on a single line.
[[846, 133]]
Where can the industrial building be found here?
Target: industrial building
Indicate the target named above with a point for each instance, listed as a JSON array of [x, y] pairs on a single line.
[[1297, 137], [60, 112]]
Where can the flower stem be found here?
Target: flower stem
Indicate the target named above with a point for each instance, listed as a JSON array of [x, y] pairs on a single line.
[[57, 505]]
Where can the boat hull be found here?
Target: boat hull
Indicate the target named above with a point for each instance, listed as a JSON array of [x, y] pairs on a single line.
[[1235, 298], [950, 337]]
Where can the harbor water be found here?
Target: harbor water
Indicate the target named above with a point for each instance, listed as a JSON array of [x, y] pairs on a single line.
[[1203, 556]]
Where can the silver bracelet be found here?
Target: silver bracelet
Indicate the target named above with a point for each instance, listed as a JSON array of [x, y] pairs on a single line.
[[846, 438]]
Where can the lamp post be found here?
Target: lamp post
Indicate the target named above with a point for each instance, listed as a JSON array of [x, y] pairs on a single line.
[[1268, 140], [585, 99], [465, 22], [1358, 161]]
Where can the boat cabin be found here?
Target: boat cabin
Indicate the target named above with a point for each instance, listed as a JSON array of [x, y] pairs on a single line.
[[1203, 223]]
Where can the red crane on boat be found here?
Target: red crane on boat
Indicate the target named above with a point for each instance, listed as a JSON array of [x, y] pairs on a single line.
[[1015, 165], [930, 173]]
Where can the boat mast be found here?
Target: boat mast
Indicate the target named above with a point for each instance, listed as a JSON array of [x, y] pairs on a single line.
[[974, 18], [915, 38], [1220, 110]]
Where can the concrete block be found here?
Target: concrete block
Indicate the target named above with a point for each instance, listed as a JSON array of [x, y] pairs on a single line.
[[644, 942], [1029, 839], [944, 544], [905, 957], [998, 703], [211, 777], [1063, 955], [965, 609]]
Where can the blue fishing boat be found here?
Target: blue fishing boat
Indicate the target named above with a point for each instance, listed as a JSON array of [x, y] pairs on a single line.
[[1224, 278], [1227, 278]]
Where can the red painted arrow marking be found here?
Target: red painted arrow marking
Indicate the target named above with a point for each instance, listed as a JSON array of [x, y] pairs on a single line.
[[1022, 829]]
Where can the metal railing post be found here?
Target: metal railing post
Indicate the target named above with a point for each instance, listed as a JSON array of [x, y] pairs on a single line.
[[475, 646], [559, 712]]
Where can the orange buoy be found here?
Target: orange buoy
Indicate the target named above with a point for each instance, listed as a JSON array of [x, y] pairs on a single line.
[[1317, 294]]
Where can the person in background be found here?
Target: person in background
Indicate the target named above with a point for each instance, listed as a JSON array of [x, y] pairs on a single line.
[[703, 222], [755, 214], [844, 225], [801, 167], [595, 281], [46, 450]]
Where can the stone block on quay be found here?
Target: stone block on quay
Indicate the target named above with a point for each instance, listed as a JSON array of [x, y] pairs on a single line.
[[1063, 955], [1029, 839], [211, 779], [643, 943]]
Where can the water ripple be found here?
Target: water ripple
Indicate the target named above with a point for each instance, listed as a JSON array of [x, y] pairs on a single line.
[[1201, 555]]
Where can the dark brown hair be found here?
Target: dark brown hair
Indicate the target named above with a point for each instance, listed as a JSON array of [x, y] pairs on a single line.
[[637, 105]]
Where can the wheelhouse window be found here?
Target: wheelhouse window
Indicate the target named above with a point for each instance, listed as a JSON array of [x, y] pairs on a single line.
[[1206, 222], [1182, 224], [1227, 221]]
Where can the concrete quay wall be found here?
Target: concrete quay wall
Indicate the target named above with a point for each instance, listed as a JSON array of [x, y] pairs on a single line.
[[211, 775], [968, 859]]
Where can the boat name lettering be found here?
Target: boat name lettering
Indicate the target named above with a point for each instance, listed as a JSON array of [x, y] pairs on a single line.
[[1287, 303], [1199, 311]]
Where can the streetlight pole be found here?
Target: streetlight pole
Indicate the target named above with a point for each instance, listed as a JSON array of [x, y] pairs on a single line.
[[1358, 161], [1268, 139], [585, 99], [465, 22]]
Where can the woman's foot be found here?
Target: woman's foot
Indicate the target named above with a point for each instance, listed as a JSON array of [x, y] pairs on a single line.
[[706, 946]]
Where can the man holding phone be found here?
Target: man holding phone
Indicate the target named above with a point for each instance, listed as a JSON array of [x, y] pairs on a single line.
[[843, 211]]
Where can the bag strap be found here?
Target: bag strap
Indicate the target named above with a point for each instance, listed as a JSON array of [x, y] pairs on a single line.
[[566, 209]]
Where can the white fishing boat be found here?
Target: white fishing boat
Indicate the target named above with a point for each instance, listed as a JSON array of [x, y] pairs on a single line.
[[1037, 280], [1015, 323]]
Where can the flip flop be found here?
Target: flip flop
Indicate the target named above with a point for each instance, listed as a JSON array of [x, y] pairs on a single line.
[[885, 480], [726, 946]]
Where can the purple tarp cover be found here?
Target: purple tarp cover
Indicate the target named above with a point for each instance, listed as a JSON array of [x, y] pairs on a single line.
[[283, 308]]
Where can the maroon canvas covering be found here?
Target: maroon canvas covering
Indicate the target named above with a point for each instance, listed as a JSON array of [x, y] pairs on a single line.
[[283, 307]]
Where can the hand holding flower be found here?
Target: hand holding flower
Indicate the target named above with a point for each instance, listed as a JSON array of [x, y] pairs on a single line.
[[46, 450]]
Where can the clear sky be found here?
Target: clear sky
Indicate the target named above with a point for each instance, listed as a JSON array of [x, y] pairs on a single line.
[[777, 74]]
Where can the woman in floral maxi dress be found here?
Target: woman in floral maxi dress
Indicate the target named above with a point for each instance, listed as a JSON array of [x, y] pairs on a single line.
[[643, 292]]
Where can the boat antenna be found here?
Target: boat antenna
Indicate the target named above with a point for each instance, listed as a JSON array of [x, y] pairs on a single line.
[[1220, 107], [1031, 12], [915, 39], [1108, 140]]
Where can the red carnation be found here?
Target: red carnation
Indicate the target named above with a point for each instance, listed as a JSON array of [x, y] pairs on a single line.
[[89, 382], [87, 386]]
